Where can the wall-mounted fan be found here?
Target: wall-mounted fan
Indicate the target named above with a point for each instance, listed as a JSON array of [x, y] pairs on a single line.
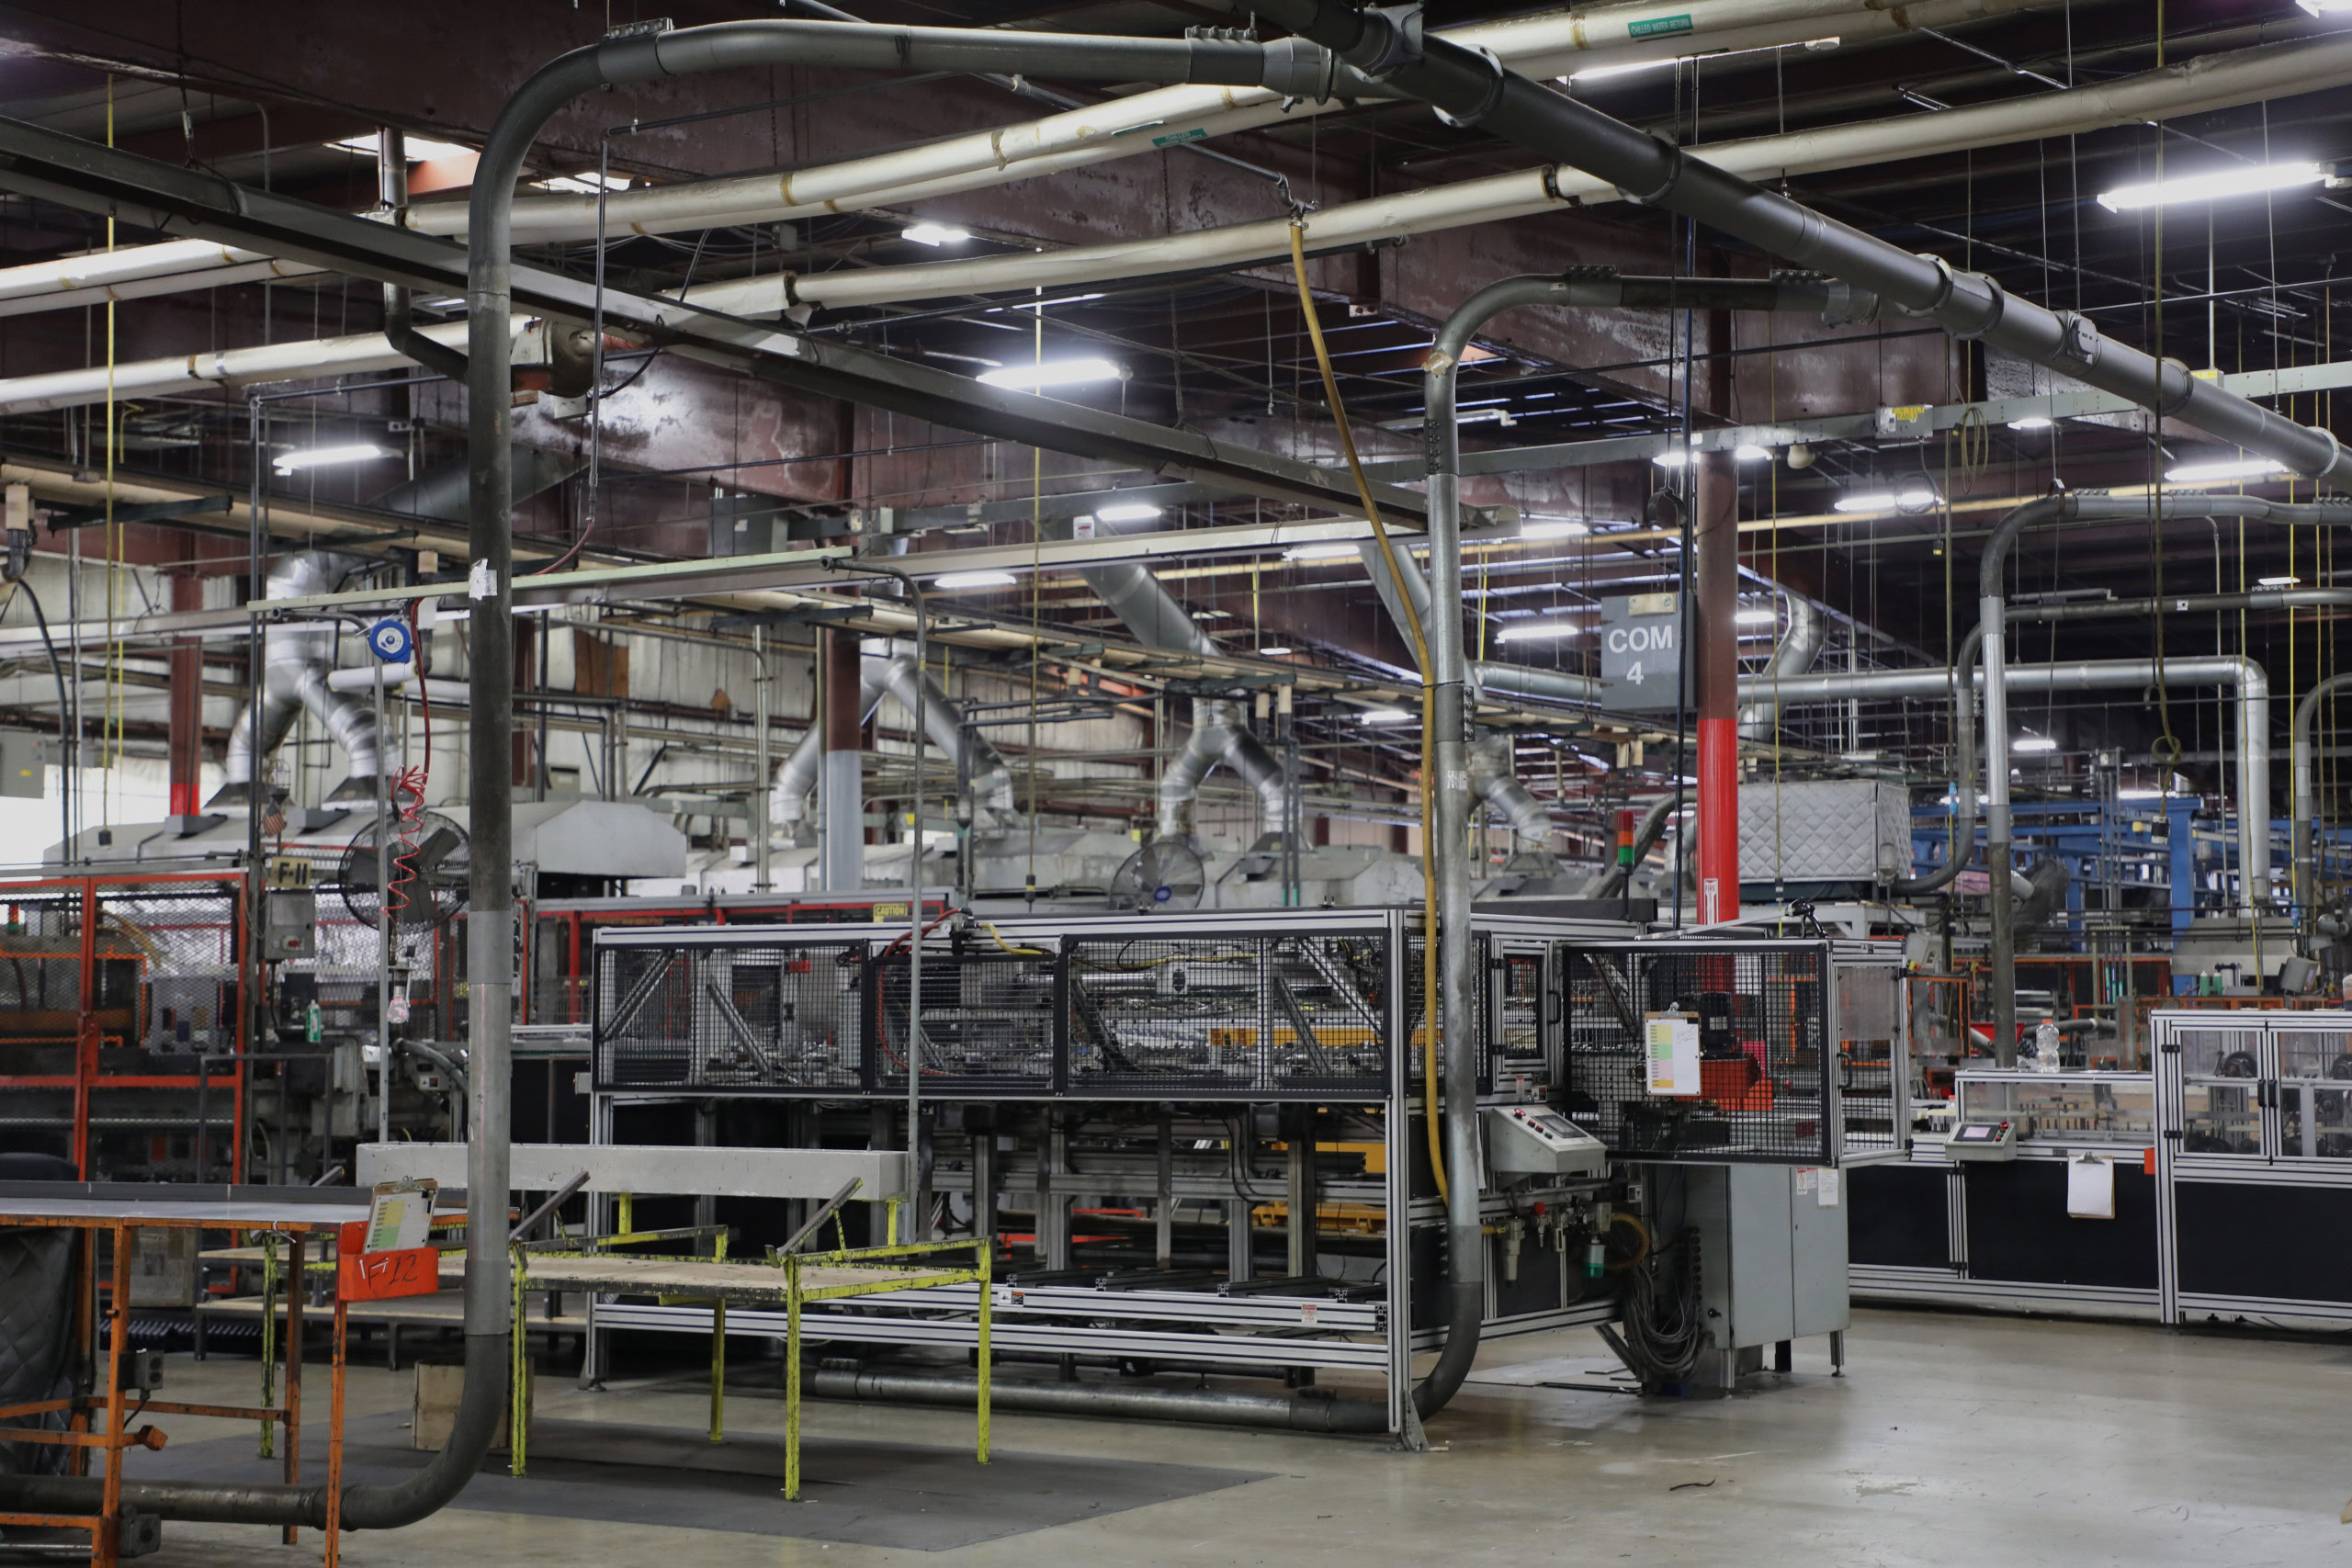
[[442, 863], [1166, 874]]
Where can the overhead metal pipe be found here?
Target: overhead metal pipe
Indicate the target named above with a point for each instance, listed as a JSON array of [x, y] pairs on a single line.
[[1494, 779], [2208, 83], [1077, 137], [1475, 90]]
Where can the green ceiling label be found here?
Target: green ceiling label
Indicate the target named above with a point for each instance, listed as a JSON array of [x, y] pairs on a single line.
[[1657, 24]]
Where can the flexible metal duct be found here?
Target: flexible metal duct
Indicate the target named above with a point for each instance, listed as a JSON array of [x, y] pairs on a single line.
[[2304, 854], [295, 661], [1799, 647], [1220, 729], [1493, 780], [891, 673]]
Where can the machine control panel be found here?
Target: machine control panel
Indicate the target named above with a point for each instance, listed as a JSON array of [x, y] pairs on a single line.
[[1983, 1141], [1534, 1140]]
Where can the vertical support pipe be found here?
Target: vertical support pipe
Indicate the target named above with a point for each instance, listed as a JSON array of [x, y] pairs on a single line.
[[185, 742], [761, 781], [1716, 569], [842, 787], [2000, 899]]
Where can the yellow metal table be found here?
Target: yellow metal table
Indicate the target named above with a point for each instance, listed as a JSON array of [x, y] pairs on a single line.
[[793, 1281]]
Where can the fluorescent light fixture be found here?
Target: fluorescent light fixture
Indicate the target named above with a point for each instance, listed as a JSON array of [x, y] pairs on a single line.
[[934, 234], [2254, 180], [955, 580], [1276, 652], [1539, 631], [2139, 794], [1212, 614], [1757, 617], [318, 456], [1553, 529], [1602, 73], [587, 182], [1052, 373], [2276, 581], [1338, 550], [2236, 469], [2326, 8], [2033, 743], [418, 149], [1386, 715], [1126, 511], [1745, 452], [1909, 499], [2032, 422]]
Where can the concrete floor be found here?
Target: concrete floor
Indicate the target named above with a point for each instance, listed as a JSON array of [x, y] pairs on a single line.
[[1976, 1441]]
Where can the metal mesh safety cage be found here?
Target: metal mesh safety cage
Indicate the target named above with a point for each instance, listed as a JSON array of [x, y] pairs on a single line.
[[1238, 1013], [1765, 1084], [751, 1011], [987, 1021]]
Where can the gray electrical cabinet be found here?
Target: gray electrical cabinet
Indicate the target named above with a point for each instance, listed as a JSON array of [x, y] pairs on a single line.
[[1771, 1260]]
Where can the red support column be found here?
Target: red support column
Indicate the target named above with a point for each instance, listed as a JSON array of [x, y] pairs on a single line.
[[1715, 574], [184, 742]]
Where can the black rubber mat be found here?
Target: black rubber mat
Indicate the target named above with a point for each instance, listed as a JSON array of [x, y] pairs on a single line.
[[864, 1493]]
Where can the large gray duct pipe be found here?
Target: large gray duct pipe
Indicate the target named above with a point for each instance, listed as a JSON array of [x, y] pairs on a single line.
[[1220, 729], [1799, 647], [1493, 778], [295, 661], [891, 673]]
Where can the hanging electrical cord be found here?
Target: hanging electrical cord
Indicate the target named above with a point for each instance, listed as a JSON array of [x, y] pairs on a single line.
[[1420, 653], [408, 793]]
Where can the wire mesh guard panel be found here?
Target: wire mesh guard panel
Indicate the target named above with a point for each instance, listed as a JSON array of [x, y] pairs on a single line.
[[1262, 1017], [1762, 1017], [987, 1018], [169, 957], [779, 1019]]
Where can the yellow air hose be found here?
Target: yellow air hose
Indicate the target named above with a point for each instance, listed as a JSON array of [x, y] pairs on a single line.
[[1422, 654]]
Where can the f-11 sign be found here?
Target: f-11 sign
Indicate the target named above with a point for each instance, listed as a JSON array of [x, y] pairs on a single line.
[[1641, 653]]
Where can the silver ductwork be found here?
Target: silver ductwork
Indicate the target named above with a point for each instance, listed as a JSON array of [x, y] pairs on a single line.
[[1494, 781], [1799, 647], [1220, 729], [295, 661], [888, 670]]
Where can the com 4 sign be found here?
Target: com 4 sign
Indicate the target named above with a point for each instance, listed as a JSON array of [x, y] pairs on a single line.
[[1641, 653]]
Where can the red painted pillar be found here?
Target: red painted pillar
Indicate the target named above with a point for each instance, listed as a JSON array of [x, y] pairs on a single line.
[[183, 744], [1716, 574]]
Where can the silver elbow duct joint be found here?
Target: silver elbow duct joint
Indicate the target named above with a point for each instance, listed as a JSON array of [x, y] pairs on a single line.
[[1494, 781], [1180, 784], [1799, 646], [295, 661]]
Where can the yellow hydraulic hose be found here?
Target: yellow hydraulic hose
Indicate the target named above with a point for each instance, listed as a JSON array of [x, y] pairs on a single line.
[[1422, 654]]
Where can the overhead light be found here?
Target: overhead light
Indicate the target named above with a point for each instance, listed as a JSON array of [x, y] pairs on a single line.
[[955, 580], [2276, 581], [1909, 499], [1212, 614], [1126, 511], [2032, 422], [2237, 469], [318, 457], [1052, 373], [1335, 551], [1553, 529], [2033, 743], [1539, 631], [1386, 715], [2326, 8], [1757, 617], [2139, 794], [1745, 452], [1275, 652], [2220, 184], [416, 149], [587, 182], [1602, 73], [934, 234]]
